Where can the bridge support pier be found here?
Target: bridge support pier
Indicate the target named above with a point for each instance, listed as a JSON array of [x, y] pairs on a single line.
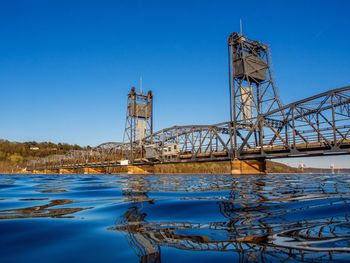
[[46, 171], [141, 169], [67, 171], [213, 167], [248, 166], [89, 170]]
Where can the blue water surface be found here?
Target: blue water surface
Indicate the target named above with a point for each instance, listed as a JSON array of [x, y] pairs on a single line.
[[175, 218]]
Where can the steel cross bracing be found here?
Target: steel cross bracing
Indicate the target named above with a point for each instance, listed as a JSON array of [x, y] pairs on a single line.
[[192, 142], [313, 126], [252, 88], [318, 125], [260, 127], [139, 121], [109, 153]]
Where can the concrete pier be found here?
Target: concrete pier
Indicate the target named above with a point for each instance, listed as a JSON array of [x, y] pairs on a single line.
[[213, 167], [217, 167]]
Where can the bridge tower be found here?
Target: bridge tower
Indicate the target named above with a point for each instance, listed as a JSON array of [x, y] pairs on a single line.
[[252, 91], [139, 121]]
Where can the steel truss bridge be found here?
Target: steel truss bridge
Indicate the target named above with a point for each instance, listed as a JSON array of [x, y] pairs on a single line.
[[318, 125], [260, 126], [313, 126]]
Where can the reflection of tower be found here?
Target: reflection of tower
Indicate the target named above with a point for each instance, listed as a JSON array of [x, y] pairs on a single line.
[[139, 120], [144, 246], [301, 166], [257, 224], [134, 218], [252, 89]]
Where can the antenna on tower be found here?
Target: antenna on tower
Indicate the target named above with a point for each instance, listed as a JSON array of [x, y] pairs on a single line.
[[141, 84], [241, 26]]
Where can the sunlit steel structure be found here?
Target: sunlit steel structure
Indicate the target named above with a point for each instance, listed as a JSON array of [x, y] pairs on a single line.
[[139, 121], [252, 89], [260, 127], [317, 125]]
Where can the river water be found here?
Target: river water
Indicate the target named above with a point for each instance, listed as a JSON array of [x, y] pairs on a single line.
[[174, 218]]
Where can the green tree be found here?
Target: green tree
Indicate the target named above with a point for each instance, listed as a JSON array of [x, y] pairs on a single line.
[[15, 158]]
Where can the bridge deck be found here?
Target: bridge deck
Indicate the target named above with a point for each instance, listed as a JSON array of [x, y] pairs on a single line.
[[269, 152]]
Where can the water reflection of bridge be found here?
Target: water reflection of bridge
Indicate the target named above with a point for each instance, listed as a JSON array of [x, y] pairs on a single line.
[[254, 222]]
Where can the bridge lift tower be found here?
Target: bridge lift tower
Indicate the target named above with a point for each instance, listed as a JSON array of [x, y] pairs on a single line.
[[252, 90], [139, 121]]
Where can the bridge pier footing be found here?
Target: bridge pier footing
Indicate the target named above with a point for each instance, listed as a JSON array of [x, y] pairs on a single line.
[[248, 167], [46, 171], [214, 167], [88, 170], [67, 171], [207, 167]]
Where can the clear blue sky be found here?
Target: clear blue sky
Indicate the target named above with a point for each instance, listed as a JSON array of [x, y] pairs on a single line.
[[66, 66]]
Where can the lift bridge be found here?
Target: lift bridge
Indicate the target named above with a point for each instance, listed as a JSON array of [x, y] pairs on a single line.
[[260, 126]]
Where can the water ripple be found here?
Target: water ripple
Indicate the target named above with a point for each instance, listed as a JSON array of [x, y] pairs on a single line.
[[155, 218]]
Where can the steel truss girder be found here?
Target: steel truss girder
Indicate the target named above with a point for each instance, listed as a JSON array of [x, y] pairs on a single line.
[[312, 126], [194, 142]]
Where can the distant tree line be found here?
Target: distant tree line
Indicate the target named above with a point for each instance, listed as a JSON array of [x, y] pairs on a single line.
[[20, 152]]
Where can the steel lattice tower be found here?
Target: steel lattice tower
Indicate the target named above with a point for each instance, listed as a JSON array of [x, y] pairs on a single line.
[[252, 89], [139, 121]]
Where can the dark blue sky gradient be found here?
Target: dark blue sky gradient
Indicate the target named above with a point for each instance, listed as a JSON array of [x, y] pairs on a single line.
[[66, 66]]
